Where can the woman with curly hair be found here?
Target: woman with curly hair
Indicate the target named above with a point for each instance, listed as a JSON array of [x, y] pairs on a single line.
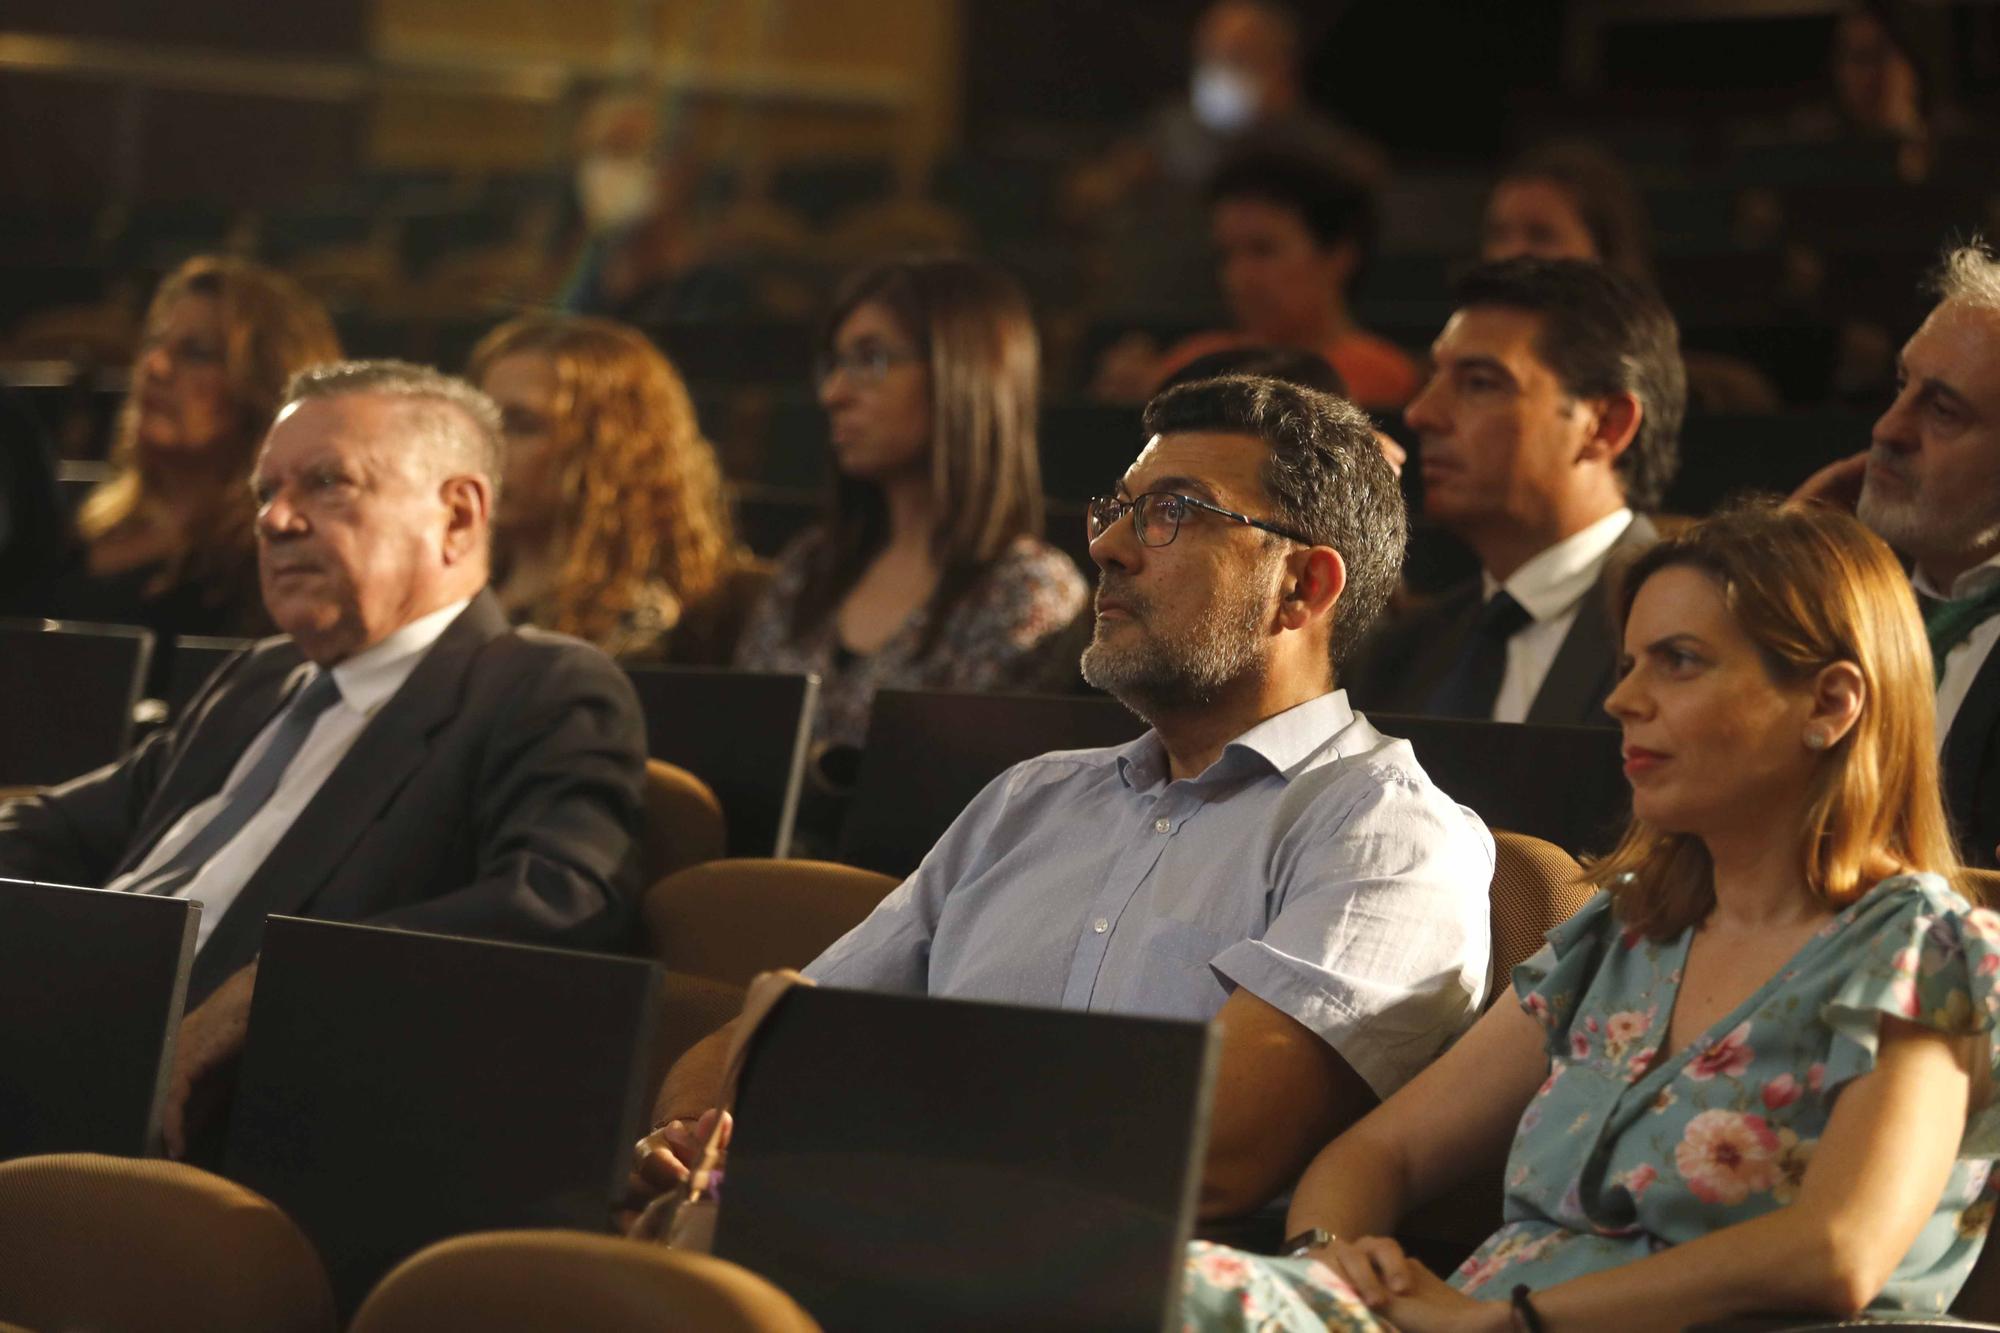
[[611, 524], [1755, 1072], [168, 542]]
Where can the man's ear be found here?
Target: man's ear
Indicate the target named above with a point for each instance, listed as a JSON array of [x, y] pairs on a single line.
[[468, 505], [1313, 581], [1615, 424]]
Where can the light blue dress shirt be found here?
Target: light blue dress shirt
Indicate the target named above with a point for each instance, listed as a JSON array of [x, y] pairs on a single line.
[[1313, 864]]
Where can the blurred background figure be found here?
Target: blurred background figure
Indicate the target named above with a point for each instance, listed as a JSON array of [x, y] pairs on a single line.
[[612, 524], [1568, 200], [1291, 237], [166, 542], [928, 569], [640, 254]]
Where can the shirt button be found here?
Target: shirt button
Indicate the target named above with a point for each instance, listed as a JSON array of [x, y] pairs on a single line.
[[1100, 925], [1162, 825]]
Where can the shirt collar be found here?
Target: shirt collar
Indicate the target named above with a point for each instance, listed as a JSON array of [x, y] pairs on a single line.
[[1969, 584], [367, 679], [1282, 742], [1554, 580]]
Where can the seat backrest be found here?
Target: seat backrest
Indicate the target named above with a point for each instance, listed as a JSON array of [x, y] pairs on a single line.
[[91, 989], [193, 659], [1536, 887], [1565, 785], [683, 823], [556, 1281], [110, 1242], [729, 920], [66, 697], [929, 752], [744, 733], [376, 1121]]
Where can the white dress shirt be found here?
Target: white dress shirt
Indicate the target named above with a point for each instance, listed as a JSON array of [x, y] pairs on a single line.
[[1550, 587], [1968, 655], [366, 681]]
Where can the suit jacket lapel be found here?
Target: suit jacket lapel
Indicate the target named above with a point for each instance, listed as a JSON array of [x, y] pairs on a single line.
[[1580, 677], [214, 745], [388, 750], [1437, 652], [1966, 747]]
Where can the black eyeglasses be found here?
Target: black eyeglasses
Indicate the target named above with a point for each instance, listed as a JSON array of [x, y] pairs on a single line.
[[1157, 515], [869, 363]]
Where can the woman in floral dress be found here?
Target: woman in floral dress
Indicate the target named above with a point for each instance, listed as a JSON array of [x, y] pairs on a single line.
[[1751, 1074]]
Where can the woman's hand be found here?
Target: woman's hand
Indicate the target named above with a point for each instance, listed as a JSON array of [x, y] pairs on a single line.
[[1409, 1295]]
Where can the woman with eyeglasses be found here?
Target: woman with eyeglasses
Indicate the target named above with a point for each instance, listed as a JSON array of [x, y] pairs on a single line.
[[168, 542], [928, 568]]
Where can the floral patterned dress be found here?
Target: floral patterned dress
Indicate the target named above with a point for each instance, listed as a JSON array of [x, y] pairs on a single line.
[[1621, 1153], [993, 639]]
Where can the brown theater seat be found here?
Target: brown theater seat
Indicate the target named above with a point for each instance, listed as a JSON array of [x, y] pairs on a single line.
[[729, 920], [97, 1242], [683, 821], [558, 1281]]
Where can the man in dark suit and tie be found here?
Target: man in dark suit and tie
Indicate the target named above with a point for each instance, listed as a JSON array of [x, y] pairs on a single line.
[[1548, 430], [401, 756], [1930, 487]]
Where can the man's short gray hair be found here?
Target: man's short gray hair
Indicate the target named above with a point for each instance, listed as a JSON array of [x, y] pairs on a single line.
[[1970, 274], [454, 424]]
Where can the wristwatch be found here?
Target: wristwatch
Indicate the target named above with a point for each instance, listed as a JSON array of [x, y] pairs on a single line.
[[1312, 1238]]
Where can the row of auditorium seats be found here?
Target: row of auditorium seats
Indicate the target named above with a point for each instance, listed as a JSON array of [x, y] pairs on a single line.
[[745, 735], [474, 1085]]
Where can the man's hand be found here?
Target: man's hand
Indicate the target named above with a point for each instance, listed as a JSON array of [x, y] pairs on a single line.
[[663, 1159], [209, 1037], [1836, 484]]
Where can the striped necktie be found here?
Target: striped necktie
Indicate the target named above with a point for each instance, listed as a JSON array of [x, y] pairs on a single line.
[[1948, 623]]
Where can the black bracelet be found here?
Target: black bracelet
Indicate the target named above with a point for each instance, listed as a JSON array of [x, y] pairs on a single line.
[[1530, 1318]]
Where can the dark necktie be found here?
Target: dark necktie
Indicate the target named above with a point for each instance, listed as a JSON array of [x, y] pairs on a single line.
[[248, 796], [1949, 622], [1474, 683]]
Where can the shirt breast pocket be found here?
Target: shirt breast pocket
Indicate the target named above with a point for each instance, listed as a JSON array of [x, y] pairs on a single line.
[[1174, 978]]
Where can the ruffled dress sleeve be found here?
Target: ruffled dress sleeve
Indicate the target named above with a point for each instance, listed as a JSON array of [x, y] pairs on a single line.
[[1552, 981], [1925, 955]]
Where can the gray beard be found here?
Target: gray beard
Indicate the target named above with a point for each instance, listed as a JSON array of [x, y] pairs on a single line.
[[1169, 671], [1913, 533]]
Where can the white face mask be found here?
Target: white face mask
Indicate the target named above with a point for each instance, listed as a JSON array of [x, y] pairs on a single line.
[[615, 191], [1224, 97]]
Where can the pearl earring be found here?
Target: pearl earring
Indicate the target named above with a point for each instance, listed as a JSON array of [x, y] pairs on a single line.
[[1817, 739]]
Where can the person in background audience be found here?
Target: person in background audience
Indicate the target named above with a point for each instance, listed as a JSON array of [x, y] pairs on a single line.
[[1930, 487], [1568, 200], [1262, 856], [167, 542], [1547, 431], [1247, 87], [1753, 1073], [615, 528], [1291, 235], [1573, 200], [928, 570], [400, 756]]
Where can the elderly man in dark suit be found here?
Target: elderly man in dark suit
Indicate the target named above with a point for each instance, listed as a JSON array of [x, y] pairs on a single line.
[[1930, 487], [401, 756], [1546, 433]]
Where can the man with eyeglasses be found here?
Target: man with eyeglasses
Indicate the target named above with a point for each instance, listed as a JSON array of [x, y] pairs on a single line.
[[1262, 857]]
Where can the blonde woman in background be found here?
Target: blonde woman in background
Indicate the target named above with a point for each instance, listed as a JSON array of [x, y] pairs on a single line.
[[168, 541], [612, 524]]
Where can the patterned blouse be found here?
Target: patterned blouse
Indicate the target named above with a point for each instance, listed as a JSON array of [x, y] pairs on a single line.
[[1622, 1153], [989, 642]]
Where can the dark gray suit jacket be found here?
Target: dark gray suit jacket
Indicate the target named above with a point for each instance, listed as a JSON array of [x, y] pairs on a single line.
[[497, 794], [1401, 665], [1972, 768]]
